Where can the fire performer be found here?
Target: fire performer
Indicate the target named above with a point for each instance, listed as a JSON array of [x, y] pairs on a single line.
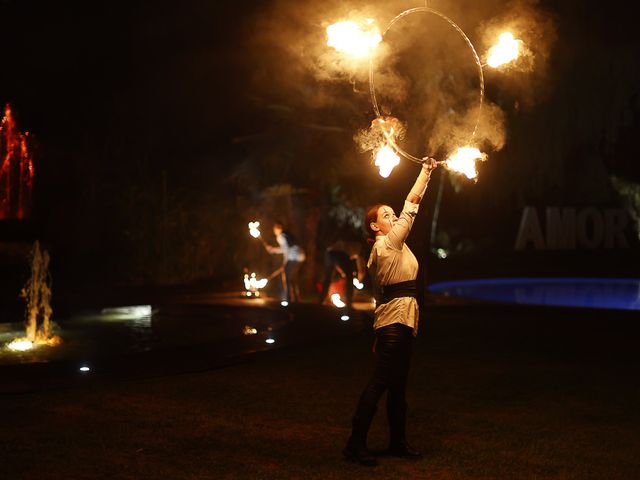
[[292, 258], [393, 269]]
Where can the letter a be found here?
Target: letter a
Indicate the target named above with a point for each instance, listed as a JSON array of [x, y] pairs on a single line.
[[530, 230]]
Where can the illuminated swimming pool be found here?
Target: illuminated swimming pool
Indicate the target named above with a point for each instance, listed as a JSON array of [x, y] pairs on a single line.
[[615, 293]]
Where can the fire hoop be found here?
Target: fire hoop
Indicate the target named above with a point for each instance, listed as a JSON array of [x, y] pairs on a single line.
[[372, 90]]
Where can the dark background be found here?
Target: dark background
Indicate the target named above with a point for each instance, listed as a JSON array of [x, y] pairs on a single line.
[[162, 128]]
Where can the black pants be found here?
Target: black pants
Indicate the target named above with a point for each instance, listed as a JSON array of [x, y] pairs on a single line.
[[393, 356], [333, 258], [290, 281]]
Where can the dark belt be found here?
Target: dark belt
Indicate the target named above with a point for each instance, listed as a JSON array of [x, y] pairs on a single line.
[[397, 290]]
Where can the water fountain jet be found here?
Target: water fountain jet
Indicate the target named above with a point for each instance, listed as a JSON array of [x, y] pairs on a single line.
[[37, 293]]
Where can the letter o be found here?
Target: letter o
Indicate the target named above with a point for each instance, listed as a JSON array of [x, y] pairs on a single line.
[[590, 216]]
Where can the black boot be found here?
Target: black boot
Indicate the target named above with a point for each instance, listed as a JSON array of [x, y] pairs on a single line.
[[356, 449], [398, 445]]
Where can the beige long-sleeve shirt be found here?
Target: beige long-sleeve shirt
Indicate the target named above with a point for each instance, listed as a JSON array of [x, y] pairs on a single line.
[[391, 261]]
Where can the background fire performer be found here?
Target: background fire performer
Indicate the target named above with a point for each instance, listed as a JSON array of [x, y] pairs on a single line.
[[292, 257], [345, 257], [393, 268]]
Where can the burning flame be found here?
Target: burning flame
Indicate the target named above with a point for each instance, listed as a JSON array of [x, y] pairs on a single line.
[[464, 161], [337, 301], [386, 160], [254, 230], [505, 51], [355, 39], [252, 284], [248, 330]]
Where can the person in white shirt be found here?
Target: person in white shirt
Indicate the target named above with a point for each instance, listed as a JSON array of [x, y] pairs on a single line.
[[393, 269], [292, 258]]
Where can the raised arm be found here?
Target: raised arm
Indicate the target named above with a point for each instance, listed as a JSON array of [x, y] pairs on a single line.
[[420, 186], [401, 228]]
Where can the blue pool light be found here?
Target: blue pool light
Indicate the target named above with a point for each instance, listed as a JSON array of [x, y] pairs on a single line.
[[613, 293]]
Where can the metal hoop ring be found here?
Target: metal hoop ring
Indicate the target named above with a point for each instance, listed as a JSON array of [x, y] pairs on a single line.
[[372, 91]]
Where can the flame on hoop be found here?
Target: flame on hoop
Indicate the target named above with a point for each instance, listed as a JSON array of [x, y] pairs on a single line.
[[386, 160], [354, 39], [464, 161], [506, 50]]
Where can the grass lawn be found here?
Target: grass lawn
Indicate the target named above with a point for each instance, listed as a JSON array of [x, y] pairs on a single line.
[[494, 393]]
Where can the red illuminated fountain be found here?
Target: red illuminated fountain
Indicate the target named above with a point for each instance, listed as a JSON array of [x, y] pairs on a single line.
[[16, 170]]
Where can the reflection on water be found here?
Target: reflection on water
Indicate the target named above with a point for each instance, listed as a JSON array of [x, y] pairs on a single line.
[[127, 313], [569, 292], [133, 329]]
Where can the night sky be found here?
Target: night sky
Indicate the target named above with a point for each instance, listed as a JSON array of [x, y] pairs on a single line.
[[169, 76], [182, 80]]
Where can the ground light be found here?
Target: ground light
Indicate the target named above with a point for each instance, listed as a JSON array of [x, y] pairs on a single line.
[[284, 303], [85, 369], [270, 341], [344, 318], [128, 312], [20, 345]]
